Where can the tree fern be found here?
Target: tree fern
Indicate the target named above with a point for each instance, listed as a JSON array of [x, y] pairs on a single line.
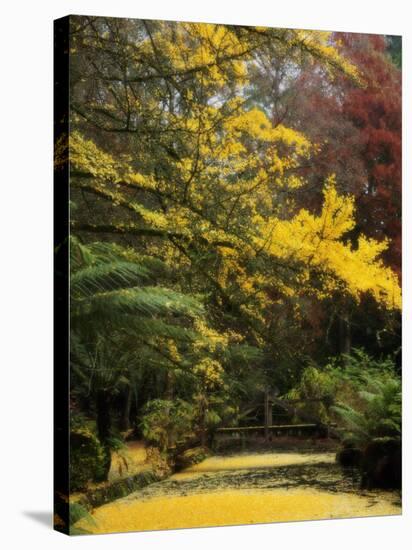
[[148, 326], [86, 282], [379, 414], [105, 282], [148, 301], [114, 316]]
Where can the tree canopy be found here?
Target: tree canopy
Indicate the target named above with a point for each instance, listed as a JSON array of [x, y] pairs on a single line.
[[205, 249]]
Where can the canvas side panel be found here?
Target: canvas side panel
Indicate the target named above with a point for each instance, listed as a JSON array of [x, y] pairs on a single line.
[[61, 275]]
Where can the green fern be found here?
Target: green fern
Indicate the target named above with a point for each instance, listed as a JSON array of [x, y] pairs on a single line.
[[105, 282], [76, 513], [99, 278], [147, 301], [379, 415]]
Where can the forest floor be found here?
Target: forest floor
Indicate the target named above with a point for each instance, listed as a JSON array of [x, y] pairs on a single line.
[[245, 488], [128, 461]]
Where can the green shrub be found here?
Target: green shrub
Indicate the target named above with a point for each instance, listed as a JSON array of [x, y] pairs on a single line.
[[359, 393], [87, 458], [191, 457], [315, 393], [378, 414], [164, 423]]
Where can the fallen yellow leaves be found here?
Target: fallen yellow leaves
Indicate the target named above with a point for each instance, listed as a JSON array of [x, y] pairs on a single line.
[[239, 462], [233, 508], [236, 506]]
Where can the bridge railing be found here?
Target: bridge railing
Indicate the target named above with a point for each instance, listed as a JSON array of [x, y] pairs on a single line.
[[276, 429]]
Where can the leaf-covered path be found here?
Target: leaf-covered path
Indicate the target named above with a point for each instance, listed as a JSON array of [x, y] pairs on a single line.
[[245, 489]]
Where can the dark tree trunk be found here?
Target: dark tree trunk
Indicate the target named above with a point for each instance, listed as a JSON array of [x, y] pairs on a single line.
[[345, 343], [169, 386], [103, 424], [127, 404], [266, 411], [103, 420], [203, 435], [203, 431]]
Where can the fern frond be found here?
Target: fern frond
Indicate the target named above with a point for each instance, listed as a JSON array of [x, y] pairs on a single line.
[[352, 418], [106, 276], [147, 301], [146, 327]]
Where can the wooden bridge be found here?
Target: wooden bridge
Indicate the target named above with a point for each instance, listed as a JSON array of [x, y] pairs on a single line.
[[276, 430], [311, 428]]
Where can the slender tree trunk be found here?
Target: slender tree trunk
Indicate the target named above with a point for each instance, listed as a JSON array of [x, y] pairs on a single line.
[[202, 423], [345, 343], [103, 420], [127, 404], [168, 396], [170, 386], [103, 425], [266, 408]]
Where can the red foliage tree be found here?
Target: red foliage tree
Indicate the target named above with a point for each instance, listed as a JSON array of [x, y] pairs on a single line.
[[358, 133], [358, 130], [375, 111]]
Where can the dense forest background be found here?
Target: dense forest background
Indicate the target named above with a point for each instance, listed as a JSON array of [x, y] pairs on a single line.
[[235, 211]]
